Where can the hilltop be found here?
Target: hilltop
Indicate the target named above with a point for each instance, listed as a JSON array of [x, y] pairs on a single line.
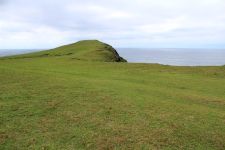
[[86, 50]]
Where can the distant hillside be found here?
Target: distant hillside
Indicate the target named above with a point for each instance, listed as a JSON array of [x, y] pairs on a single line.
[[86, 50]]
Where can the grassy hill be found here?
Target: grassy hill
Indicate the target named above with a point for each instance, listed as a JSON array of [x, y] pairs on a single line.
[[57, 100], [87, 50]]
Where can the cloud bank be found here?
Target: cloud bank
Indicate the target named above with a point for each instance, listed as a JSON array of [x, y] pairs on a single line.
[[133, 23]]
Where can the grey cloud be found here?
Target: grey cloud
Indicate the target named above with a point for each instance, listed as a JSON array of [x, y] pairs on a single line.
[[3, 2], [113, 20]]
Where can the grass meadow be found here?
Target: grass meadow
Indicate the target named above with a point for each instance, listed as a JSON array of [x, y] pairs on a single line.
[[58, 102]]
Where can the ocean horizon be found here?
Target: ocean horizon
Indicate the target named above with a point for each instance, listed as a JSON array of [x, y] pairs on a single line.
[[165, 56], [174, 56], [10, 52]]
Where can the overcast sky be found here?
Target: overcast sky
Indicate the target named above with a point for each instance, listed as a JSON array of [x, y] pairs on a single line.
[[120, 23]]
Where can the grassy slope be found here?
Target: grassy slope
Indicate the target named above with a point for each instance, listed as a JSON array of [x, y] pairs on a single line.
[[87, 50], [63, 103]]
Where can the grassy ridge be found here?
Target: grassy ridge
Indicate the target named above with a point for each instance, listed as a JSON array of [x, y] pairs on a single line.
[[63, 103], [87, 50]]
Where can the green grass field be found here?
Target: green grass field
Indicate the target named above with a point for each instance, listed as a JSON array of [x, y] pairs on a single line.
[[73, 98]]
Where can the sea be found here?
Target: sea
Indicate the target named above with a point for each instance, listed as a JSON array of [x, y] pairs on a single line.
[[9, 52], [174, 56], [165, 56]]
